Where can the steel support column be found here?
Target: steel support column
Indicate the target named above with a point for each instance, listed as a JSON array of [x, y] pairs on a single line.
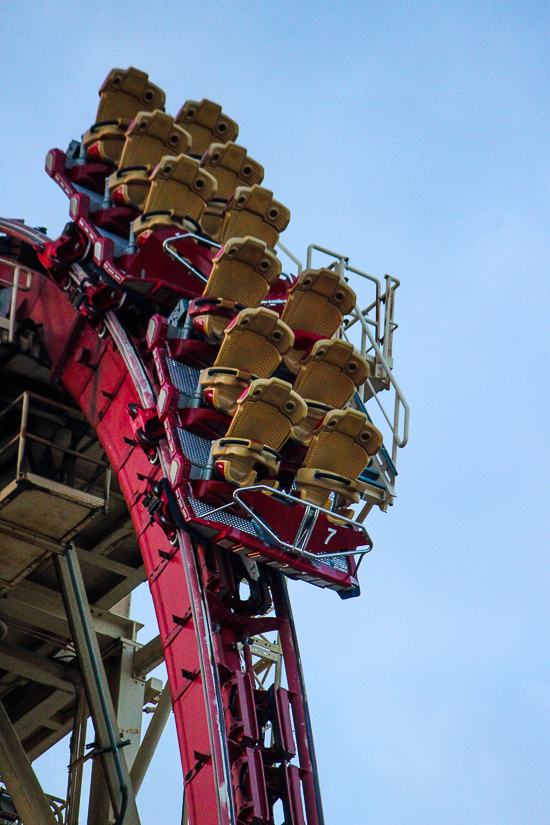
[[20, 779], [127, 694], [107, 738], [76, 764], [151, 739]]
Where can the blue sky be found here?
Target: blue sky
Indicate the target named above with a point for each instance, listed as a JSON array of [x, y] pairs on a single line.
[[413, 137]]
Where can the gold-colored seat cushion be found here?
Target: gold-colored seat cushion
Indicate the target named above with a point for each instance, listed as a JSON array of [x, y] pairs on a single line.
[[253, 345], [179, 189], [124, 93], [212, 219], [253, 211], [339, 451], [222, 386], [316, 304], [206, 124], [150, 136], [265, 416], [242, 271], [327, 379]]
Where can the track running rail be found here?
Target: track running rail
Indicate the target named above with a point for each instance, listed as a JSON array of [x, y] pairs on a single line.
[[232, 775]]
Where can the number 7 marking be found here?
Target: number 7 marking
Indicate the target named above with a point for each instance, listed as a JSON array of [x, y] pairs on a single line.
[[331, 532]]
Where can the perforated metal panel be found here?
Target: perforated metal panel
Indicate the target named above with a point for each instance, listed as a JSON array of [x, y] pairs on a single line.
[[202, 510], [96, 200], [183, 377], [339, 563], [196, 449]]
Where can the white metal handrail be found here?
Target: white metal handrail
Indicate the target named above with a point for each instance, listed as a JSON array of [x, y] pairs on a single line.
[[303, 535], [289, 254], [173, 254], [378, 336], [9, 322], [400, 398], [342, 259]]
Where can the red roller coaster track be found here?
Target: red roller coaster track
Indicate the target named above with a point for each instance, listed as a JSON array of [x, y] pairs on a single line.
[[101, 309]]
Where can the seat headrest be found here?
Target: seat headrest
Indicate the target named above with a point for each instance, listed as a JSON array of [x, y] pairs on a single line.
[[160, 126], [260, 201], [186, 170], [277, 394], [355, 425], [254, 253], [135, 84], [328, 283], [231, 167], [206, 123]]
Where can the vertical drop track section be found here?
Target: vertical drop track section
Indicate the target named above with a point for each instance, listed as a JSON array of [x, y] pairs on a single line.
[[242, 748]]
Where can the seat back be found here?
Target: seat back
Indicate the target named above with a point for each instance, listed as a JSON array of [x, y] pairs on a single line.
[[179, 189], [255, 341], [339, 451], [265, 416], [253, 346], [253, 211], [267, 412], [243, 271], [316, 304], [123, 94], [328, 377], [231, 167], [318, 301], [150, 136], [331, 373], [206, 124]]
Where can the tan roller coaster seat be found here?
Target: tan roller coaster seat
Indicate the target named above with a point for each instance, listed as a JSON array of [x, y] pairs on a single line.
[[124, 93], [231, 167], [252, 211], [206, 124], [179, 190], [265, 416], [150, 136], [243, 271], [327, 379], [253, 346], [316, 304], [339, 451]]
